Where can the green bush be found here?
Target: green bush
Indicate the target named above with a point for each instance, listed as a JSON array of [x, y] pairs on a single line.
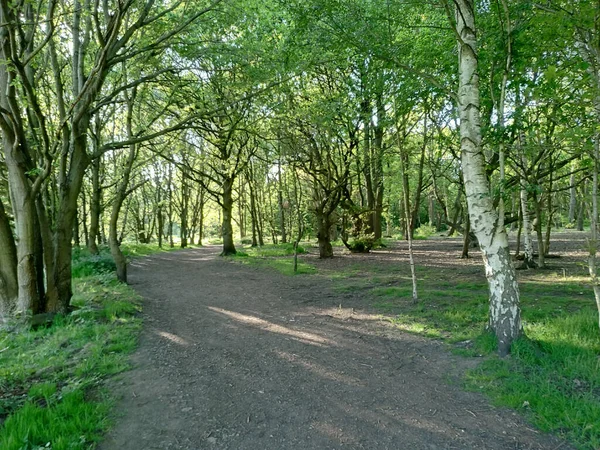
[[425, 231], [87, 265], [362, 243]]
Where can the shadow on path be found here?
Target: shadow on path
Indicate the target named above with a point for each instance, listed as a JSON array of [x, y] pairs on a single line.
[[233, 357]]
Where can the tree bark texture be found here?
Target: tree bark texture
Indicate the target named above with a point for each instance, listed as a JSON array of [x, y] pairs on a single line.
[[227, 205], [9, 287], [504, 313]]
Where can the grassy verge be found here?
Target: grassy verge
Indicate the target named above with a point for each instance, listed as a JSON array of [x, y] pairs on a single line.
[[51, 378], [552, 376], [277, 257]]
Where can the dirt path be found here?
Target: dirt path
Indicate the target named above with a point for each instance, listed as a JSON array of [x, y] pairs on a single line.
[[234, 357]]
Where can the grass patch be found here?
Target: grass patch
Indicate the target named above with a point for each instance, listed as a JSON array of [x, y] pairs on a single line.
[[552, 376], [282, 265], [273, 250], [85, 264], [275, 257], [51, 393]]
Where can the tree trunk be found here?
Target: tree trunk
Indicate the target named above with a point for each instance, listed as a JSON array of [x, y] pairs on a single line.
[[161, 226], [113, 241], [185, 200], [504, 314], [466, 238], [201, 218], [417, 201], [528, 261], [95, 207], [458, 206], [323, 227], [84, 210], [170, 207], [538, 230], [76, 239], [378, 184], [406, 200], [281, 206], [519, 232], [572, 198], [227, 203], [431, 209], [9, 284], [96, 198], [581, 210], [64, 226], [593, 242]]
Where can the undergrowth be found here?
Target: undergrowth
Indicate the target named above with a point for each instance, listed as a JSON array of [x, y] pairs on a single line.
[[51, 378]]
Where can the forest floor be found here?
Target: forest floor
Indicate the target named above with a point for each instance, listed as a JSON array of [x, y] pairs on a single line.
[[239, 356]]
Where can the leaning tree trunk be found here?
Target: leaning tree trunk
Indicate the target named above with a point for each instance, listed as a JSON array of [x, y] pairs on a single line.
[[504, 314], [227, 203], [113, 240]]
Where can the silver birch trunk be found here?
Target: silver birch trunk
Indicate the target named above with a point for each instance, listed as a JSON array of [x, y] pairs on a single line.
[[527, 226], [504, 313]]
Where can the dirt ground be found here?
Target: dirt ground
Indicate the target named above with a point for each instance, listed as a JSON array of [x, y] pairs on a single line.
[[237, 357]]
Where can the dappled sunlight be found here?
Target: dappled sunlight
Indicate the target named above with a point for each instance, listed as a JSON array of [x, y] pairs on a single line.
[[346, 314], [388, 417], [318, 369], [301, 336], [172, 337]]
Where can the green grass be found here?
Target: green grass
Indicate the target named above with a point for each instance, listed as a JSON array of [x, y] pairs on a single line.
[[273, 250], [281, 265], [278, 257], [552, 375], [85, 264], [51, 379]]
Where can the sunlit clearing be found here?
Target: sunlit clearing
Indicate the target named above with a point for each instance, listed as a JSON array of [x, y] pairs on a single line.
[[302, 336]]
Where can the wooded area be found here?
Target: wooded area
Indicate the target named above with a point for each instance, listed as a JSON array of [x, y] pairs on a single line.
[[266, 121]]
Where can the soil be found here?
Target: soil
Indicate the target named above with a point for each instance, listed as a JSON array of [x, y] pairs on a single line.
[[237, 357]]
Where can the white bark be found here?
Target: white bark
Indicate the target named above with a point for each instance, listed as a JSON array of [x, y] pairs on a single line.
[[527, 245], [504, 317]]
